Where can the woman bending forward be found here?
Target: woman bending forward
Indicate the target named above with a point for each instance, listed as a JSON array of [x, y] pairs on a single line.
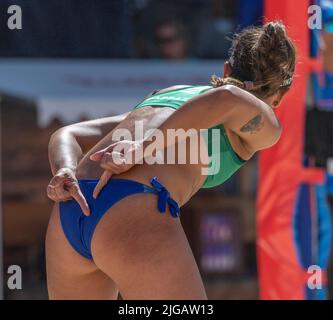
[[115, 224]]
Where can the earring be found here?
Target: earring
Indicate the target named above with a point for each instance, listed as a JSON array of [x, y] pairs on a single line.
[[275, 103]]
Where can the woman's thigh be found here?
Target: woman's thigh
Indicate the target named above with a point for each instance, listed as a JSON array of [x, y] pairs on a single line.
[[69, 275], [145, 252]]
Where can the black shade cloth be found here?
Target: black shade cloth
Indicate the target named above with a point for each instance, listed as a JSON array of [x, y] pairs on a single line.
[[319, 136], [68, 28]]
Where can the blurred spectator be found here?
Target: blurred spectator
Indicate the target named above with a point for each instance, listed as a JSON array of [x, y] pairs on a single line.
[[119, 29], [62, 28], [210, 23], [150, 14], [171, 40]]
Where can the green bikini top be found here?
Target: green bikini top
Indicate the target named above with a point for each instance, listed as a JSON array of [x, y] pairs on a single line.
[[224, 162]]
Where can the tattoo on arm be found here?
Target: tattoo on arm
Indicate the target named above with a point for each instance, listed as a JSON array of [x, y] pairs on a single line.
[[254, 125]]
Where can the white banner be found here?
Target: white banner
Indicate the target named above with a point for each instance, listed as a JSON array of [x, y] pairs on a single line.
[[73, 89]]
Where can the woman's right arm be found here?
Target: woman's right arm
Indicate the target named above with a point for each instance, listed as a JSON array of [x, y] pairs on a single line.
[[66, 148], [68, 144]]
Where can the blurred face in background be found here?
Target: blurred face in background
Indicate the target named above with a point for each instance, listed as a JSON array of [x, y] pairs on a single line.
[[171, 41]]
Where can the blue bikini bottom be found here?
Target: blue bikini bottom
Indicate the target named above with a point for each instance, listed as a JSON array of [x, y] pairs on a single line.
[[79, 229]]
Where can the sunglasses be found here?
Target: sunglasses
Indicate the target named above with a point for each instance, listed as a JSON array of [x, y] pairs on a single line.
[[167, 40], [329, 27]]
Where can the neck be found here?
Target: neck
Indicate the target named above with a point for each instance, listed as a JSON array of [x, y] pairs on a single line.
[[269, 101]]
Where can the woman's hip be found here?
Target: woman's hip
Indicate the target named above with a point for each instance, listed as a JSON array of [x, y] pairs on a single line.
[[79, 229]]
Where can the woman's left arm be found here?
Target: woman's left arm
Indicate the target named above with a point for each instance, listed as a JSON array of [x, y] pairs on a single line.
[[241, 112], [253, 121], [247, 116]]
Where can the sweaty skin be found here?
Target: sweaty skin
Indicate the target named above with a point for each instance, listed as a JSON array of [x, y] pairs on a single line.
[[137, 250], [240, 112], [189, 178]]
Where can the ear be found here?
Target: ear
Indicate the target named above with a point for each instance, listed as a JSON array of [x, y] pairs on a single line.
[[279, 96], [282, 93], [227, 69]]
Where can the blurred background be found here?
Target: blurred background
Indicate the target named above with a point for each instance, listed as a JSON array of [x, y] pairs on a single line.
[[73, 62]]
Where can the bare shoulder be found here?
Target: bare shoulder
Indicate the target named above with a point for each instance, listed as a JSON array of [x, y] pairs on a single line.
[[248, 103], [223, 91], [240, 96], [232, 95], [251, 119], [165, 90]]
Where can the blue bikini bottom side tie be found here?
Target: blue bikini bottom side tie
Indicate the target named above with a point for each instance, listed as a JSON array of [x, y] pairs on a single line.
[[79, 229]]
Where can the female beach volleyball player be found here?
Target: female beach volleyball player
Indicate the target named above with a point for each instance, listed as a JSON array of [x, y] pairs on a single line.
[[108, 235]]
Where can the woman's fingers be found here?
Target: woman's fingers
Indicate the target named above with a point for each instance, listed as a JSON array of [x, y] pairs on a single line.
[[56, 181], [62, 195], [115, 159], [103, 180], [76, 193], [64, 186], [57, 193], [97, 156], [50, 193], [113, 162]]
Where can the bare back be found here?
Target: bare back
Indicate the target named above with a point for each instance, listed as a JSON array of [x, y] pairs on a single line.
[[188, 176]]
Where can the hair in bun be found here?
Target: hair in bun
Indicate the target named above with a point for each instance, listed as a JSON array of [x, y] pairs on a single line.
[[262, 59]]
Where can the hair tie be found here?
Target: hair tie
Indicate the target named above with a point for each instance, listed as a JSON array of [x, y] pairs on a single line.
[[287, 82], [271, 28]]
